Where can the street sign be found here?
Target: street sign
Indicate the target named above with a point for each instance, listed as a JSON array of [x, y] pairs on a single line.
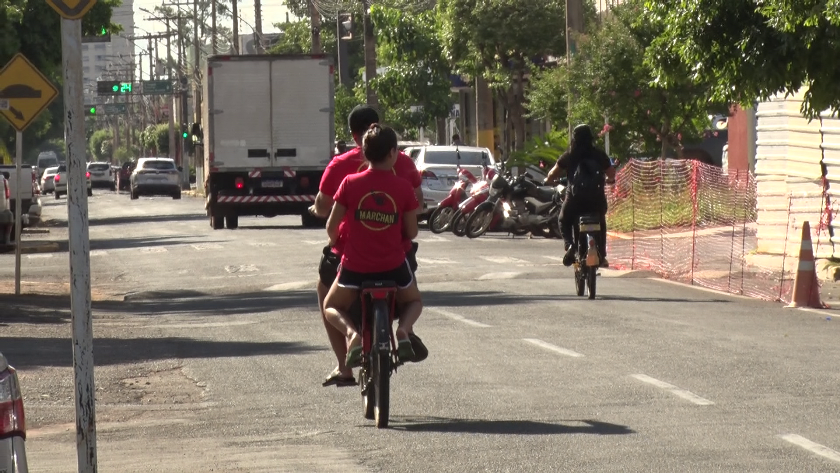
[[113, 109], [27, 91], [156, 87], [71, 9], [113, 87]]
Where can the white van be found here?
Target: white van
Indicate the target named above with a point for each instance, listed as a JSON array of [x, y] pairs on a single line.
[[47, 159]]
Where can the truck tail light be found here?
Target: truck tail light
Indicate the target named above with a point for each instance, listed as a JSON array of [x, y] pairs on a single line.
[[240, 183], [12, 419]]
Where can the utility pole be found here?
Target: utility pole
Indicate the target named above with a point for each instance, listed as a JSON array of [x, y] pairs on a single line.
[[212, 28], [574, 24], [235, 12], [370, 56], [315, 21], [258, 26]]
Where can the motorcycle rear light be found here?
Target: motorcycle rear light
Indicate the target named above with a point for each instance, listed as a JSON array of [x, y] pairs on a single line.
[[428, 175], [12, 419], [239, 183]]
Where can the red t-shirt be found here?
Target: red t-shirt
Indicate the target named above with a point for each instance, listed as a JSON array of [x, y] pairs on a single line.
[[376, 203], [353, 162]]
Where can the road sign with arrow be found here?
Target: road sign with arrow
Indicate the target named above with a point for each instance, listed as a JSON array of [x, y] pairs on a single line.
[[27, 91], [71, 9]]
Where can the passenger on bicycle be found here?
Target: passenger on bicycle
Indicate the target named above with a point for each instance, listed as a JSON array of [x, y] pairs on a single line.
[[588, 169], [379, 210], [351, 162]]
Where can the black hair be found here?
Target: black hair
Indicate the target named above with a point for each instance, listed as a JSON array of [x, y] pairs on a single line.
[[361, 118], [378, 143], [583, 142]]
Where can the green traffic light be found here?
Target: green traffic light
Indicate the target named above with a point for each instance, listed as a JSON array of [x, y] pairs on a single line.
[[184, 134], [93, 110], [103, 32], [115, 88]]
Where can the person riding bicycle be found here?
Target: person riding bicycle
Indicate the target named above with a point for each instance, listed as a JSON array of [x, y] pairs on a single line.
[[351, 162], [379, 211], [588, 169]]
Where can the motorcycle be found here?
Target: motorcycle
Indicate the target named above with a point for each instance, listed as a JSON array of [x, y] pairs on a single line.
[[519, 206], [587, 259], [478, 195], [442, 217]]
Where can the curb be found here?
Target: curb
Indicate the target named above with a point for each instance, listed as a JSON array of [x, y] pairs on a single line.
[[34, 231], [50, 247]]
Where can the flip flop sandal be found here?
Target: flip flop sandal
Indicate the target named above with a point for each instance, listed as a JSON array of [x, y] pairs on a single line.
[[354, 357], [404, 350], [335, 379], [420, 350]]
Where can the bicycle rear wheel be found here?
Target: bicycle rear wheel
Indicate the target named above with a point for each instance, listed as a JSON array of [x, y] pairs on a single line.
[[381, 362]]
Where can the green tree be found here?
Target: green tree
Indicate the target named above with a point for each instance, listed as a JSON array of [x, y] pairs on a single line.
[[345, 100], [499, 39], [414, 89], [95, 144], [155, 139], [751, 49]]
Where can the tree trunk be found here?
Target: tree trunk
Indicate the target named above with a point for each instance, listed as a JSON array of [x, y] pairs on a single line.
[[519, 111], [663, 136], [441, 131]]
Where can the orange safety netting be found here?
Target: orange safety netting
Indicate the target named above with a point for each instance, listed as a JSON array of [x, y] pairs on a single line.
[[690, 222]]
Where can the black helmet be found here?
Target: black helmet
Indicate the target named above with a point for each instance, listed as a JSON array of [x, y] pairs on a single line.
[[583, 134]]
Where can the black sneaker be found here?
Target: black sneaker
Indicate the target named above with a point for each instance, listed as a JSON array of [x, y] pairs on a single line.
[[569, 257], [420, 350]]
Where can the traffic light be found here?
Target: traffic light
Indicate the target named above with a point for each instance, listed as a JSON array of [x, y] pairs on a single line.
[[113, 87], [90, 110]]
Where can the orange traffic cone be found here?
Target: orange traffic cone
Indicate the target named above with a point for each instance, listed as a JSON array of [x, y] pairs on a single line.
[[806, 288]]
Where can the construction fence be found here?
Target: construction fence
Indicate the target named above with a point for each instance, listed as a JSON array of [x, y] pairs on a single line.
[[697, 223]]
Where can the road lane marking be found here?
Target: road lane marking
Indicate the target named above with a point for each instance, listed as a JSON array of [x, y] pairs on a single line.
[[501, 275], [553, 348], [262, 244], [435, 261], [207, 246], [39, 256], [317, 242], [812, 447], [292, 286], [99, 253], [555, 258], [687, 395], [503, 260], [432, 239], [245, 268], [458, 317], [153, 249]]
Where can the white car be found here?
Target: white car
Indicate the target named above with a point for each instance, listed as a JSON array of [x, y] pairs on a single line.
[[156, 176], [13, 425], [438, 166], [47, 183], [7, 218], [60, 181], [101, 175]]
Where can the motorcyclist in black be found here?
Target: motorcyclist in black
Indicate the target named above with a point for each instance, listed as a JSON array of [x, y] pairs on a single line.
[[583, 162]]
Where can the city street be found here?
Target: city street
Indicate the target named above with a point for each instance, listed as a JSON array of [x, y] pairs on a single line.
[[210, 354]]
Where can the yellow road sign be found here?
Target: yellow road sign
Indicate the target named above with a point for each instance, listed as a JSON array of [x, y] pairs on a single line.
[[71, 9], [26, 91]]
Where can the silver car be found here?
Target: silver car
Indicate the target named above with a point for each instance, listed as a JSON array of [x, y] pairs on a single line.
[[47, 182], [13, 424], [156, 176], [101, 175], [438, 166]]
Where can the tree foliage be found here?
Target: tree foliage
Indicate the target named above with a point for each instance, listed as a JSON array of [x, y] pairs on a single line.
[[155, 139], [33, 28], [95, 144], [751, 49]]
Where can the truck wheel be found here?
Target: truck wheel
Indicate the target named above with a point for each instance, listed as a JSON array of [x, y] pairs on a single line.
[[232, 222], [310, 221], [90, 191], [216, 221]]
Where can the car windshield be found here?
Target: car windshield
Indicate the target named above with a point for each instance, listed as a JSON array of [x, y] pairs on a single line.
[[52, 170], [448, 157], [99, 167], [47, 162], [62, 168], [159, 165]]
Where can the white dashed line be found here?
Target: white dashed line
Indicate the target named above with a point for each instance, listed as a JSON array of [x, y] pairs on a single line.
[[261, 244], [503, 260], [245, 268], [687, 395], [812, 447], [459, 318], [501, 275], [292, 286], [553, 348], [39, 256], [153, 249], [99, 253], [432, 239], [555, 258], [207, 246], [435, 261], [316, 242]]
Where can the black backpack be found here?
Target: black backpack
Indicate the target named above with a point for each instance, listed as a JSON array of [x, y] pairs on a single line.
[[587, 181]]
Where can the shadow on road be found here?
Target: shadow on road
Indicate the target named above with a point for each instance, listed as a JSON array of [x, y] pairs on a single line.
[[31, 309], [191, 302], [132, 219], [506, 427], [654, 299], [480, 298], [34, 352], [140, 242], [279, 227]]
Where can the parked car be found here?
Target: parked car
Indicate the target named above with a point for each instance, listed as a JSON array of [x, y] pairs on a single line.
[[60, 180], [12, 422], [124, 176], [7, 218], [100, 175], [438, 167], [29, 192], [47, 183], [156, 176]]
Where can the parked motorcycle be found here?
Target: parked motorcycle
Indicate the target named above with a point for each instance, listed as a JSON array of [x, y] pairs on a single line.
[[442, 217], [478, 195], [518, 205]]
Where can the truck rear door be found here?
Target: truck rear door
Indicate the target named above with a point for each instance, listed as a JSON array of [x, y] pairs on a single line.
[[302, 91], [241, 131]]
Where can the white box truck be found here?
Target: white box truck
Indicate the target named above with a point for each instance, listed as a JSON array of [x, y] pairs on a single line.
[[268, 135]]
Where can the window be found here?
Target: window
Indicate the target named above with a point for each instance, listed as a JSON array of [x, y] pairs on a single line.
[[85, 58], [98, 167], [84, 47], [468, 158], [99, 47], [160, 165], [100, 68], [86, 70], [100, 57]]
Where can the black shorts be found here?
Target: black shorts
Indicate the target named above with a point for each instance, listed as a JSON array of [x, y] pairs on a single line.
[[402, 275], [328, 269]]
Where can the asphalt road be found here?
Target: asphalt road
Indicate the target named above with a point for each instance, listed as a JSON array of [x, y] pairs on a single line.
[[210, 355]]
